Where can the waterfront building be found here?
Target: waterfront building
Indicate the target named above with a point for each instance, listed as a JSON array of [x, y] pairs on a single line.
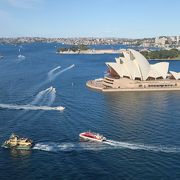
[[161, 41], [132, 72], [177, 40]]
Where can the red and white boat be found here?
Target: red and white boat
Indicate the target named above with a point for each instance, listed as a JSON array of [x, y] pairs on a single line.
[[92, 136]]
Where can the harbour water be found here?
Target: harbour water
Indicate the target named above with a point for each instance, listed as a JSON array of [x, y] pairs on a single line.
[[142, 128]]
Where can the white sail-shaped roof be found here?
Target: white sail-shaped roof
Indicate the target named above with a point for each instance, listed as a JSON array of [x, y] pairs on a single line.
[[135, 65], [132, 69], [142, 62], [159, 70], [175, 75], [120, 70]]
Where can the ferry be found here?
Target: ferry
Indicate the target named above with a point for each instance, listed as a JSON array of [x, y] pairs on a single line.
[[15, 142], [92, 136]]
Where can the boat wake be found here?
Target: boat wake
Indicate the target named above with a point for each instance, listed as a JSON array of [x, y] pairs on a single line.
[[135, 146], [53, 74], [52, 98], [48, 95], [94, 146], [21, 57], [31, 107], [67, 146]]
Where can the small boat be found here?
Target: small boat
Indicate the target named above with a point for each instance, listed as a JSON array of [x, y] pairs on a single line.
[[92, 136], [15, 142], [51, 89], [21, 56], [59, 108]]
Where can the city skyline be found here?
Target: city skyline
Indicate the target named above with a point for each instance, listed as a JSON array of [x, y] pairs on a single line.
[[105, 18]]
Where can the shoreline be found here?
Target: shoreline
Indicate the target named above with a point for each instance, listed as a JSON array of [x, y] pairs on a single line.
[[164, 59], [106, 51], [92, 51], [97, 86]]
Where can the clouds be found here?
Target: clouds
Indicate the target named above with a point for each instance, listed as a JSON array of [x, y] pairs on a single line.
[[25, 3]]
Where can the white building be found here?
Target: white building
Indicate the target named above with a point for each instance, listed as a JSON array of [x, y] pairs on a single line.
[[161, 41], [135, 66], [177, 40], [133, 72]]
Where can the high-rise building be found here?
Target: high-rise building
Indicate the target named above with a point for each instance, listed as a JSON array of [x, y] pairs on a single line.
[[177, 40]]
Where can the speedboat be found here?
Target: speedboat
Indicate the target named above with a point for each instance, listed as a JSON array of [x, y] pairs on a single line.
[[92, 136], [15, 142], [59, 108], [51, 89], [54, 90]]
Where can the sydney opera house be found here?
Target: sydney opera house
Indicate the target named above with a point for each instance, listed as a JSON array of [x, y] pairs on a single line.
[[132, 72]]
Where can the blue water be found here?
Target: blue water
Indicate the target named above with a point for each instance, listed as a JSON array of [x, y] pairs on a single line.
[[142, 128]]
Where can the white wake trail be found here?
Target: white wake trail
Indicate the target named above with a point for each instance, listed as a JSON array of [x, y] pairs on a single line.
[[52, 75], [51, 98], [31, 107], [69, 146], [21, 57], [134, 146], [107, 145], [51, 72], [48, 95], [55, 75], [40, 96]]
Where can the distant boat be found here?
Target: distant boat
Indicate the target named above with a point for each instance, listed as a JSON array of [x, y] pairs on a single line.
[[51, 89], [1, 57], [21, 56]]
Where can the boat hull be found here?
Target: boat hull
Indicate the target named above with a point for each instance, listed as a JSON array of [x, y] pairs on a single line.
[[18, 147], [90, 139], [15, 142]]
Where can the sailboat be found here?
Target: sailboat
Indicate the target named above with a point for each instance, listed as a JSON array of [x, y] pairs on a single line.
[[20, 56]]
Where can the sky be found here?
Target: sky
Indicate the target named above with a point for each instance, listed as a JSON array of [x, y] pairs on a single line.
[[89, 18]]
